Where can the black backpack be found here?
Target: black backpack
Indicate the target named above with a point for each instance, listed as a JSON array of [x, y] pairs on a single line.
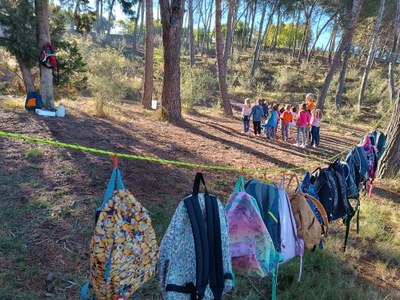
[[358, 163], [330, 185]]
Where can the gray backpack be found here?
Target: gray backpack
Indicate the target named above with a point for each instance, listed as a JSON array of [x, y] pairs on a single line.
[[194, 256]]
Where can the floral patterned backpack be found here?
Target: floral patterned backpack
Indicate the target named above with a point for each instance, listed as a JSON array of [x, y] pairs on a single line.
[[195, 258], [123, 250]]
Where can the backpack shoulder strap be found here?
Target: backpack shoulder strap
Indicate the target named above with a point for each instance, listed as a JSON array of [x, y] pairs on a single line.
[[217, 280]]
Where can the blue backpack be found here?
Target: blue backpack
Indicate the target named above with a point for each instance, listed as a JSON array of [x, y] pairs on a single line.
[[33, 101], [267, 197]]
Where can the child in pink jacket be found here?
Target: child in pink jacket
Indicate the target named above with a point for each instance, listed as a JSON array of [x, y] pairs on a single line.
[[302, 122]]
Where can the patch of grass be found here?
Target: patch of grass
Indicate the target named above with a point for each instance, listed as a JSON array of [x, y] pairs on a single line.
[[10, 245], [34, 153], [13, 105]]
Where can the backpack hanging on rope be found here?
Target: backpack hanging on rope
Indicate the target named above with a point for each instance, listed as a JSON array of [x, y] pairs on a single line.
[[252, 249], [331, 187], [268, 201], [195, 260], [309, 229], [291, 245], [123, 249], [370, 150]]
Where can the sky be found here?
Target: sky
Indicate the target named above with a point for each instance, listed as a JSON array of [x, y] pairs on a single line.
[[120, 16]]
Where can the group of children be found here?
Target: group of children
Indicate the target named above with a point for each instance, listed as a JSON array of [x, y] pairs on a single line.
[[270, 117]]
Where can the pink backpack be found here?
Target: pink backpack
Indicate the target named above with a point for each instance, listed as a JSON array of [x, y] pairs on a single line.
[[291, 245], [252, 249]]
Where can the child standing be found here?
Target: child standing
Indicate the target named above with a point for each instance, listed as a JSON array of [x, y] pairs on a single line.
[[272, 121], [257, 113], [277, 121], [302, 122], [291, 125], [310, 107], [246, 111], [286, 118], [315, 122]]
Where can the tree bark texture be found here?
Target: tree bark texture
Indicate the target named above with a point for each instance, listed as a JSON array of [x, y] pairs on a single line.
[[148, 71], [389, 164], [257, 49], [355, 13], [278, 23], [318, 34], [371, 54], [111, 8], [223, 86], [191, 34], [171, 19], [46, 75], [26, 76], [393, 52], [141, 22], [135, 30], [229, 31], [357, 4], [332, 40], [254, 11]]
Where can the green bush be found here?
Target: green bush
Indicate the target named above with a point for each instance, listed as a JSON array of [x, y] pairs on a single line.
[[113, 77], [197, 86], [285, 79]]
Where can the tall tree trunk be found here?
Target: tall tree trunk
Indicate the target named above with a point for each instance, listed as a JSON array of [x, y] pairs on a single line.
[[310, 53], [264, 39], [371, 54], [357, 5], [171, 19], [141, 22], [148, 71], [257, 49], [254, 11], [111, 8], [304, 43], [295, 34], [223, 87], [26, 76], [246, 24], [191, 35], [278, 21], [199, 35], [389, 164], [135, 30], [46, 74], [332, 40], [229, 31], [393, 53]]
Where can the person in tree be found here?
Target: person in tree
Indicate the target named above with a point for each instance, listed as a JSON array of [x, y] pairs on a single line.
[[257, 114], [246, 111]]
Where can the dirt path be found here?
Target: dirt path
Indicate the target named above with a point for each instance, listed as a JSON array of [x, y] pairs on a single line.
[[47, 199]]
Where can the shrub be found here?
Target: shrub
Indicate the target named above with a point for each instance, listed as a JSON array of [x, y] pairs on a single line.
[[285, 79], [197, 86], [113, 78]]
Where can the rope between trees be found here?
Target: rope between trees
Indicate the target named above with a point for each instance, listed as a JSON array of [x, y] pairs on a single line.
[[173, 162]]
